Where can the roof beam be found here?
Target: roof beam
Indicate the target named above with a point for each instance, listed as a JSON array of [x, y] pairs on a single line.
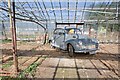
[[32, 12], [92, 9], [46, 10], [83, 10], [76, 11], [104, 10], [41, 9], [23, 9], [53, 10], [68, 11], [31, 20], [61, 11]]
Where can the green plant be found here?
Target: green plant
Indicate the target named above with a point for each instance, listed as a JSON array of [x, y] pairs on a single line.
[[8, 64], [6, 41], [30, 70]]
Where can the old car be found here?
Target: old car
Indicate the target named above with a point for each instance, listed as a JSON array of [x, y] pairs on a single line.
[[74, 41]]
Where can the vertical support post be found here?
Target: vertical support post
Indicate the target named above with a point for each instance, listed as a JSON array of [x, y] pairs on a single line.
[[10, 16], [55, 25], [45, 36], [14, 39], [119, 36], [96, 29], [90, 30], [106, 31], [13, 29], [76, 25]]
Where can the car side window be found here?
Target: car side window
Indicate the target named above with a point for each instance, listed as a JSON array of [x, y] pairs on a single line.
[[59, 31]]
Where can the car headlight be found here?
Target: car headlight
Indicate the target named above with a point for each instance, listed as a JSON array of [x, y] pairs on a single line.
[[80, 43], [95, 40]]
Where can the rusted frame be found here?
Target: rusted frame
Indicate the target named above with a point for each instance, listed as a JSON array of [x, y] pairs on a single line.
[[14, 40], [61, 11], [53, 9], [92, 9], [68, 11], [83, 10], [76, 10], [32, 11], [46, 10], [39, 11]]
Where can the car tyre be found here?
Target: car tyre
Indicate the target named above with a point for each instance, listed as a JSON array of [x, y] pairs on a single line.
[[70, 50]]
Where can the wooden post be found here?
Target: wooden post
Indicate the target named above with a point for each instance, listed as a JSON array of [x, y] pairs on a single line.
[[13, 29], [90, 30], [76, 26], [10, 16]]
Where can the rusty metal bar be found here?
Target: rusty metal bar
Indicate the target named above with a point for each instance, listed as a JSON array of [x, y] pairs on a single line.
[[68, 11], [13, 29], [83, 10], [53, 9], [61, 11], [15, 59], [76, 10]]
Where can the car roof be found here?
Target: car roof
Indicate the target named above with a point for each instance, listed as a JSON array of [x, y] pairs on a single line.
[[72, 28], [65, 28]]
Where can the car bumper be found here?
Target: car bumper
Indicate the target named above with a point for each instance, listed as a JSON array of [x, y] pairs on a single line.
[[85, 50]]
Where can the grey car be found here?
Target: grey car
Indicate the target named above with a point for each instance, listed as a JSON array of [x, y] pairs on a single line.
[[73, 40]]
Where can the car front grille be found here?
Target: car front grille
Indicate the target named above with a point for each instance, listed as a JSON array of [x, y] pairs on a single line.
[[91, 47], [88, 47]]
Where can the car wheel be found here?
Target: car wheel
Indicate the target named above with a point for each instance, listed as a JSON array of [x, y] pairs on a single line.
[[70, 50]]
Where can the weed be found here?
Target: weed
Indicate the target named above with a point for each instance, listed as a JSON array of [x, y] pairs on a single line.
[[8, 64], [6, 41]]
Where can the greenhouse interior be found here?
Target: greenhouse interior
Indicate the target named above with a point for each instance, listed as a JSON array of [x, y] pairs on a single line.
[[28, 35]]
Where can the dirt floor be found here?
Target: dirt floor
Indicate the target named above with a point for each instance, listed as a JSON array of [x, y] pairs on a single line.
[[55, 64]]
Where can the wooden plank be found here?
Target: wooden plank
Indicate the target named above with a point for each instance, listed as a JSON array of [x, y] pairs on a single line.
[[99, 65], [112, 68], [28, 63], [108, 74], [113, 64], [23, 59], [7, 58], [104, 70], [40, 60]]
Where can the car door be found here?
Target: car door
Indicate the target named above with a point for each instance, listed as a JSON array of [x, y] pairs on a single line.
[[59, 35]]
